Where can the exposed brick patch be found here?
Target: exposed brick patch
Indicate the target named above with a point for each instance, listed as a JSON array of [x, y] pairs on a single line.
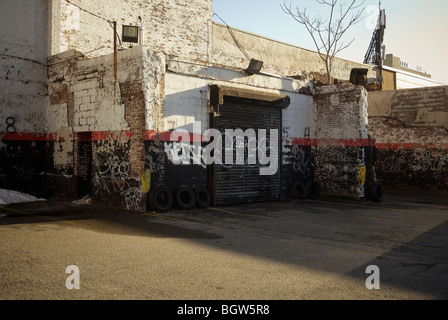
[[133, 99]]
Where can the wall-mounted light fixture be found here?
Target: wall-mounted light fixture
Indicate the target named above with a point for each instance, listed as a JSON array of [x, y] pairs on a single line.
[[254, 66], [130, 34]]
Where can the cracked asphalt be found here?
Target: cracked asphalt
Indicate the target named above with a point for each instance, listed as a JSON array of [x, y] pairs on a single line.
[[289, 250]]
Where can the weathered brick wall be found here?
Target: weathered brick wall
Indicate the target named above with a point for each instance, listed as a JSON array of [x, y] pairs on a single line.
[[101, 123], [414, 107], [411, 131], [133, 99], [174, 27], [112, 182], [339, 128]]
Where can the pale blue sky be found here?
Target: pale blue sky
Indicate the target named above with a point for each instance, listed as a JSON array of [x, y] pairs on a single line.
[[417, 30]]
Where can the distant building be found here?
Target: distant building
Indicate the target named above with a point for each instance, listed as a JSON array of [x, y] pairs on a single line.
[[398, 75]]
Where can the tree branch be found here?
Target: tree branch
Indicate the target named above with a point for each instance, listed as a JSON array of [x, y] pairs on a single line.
[[328, 32]]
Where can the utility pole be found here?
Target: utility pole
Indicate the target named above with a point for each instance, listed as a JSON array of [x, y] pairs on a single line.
[[376, 51]]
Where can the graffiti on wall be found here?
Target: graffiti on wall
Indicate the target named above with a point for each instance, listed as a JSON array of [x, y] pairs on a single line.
[[434, 164], [301, 163], [155, 161], [428, 162], [299, 159], [394, 164], [145, 181], [181, 153], [425, 168], [116, 171], [173, 164]]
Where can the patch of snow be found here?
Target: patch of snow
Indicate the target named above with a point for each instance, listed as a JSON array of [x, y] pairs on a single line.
[[84, 201], [10, 197]]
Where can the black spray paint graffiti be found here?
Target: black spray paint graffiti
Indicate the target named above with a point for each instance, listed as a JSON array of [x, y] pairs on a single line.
[[307, 133], [117, 172]]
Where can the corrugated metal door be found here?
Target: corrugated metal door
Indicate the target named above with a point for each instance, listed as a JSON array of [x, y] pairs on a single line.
[[243, 183]]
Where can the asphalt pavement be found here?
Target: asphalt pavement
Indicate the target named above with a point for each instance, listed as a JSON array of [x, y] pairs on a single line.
[[322, 249]]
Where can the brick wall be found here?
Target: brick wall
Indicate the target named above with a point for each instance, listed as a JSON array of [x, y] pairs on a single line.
[[186, 100], [132, 98], [411, 130], [103, 128], [174, 27], [341, 147], [160, 87]]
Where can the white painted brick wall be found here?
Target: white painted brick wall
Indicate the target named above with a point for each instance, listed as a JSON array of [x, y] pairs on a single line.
[[96, 107], [297, 117], [23, 32], [185, 102], [23, 28], [175, 27], [186, 97]]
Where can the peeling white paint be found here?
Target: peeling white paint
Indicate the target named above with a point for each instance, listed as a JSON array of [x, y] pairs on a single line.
[[153, 71], [56, 117], [364, 115]]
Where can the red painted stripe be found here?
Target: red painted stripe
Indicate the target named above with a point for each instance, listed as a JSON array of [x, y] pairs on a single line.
[[331, 142], [151, 135], [96, 136], [302, 142], [108, 135], [411, 146], [27, 136]]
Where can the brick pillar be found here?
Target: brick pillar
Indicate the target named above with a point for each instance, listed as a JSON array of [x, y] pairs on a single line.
[[132, 98], [340, 130]]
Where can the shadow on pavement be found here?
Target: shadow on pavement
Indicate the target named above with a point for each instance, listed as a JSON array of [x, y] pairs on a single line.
[[103, 220], [419, 264]]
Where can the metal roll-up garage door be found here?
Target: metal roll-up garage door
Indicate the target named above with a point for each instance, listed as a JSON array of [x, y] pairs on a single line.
[[243, 183]]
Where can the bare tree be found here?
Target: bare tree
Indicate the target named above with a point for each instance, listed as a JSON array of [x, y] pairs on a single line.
[[327, 33]]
